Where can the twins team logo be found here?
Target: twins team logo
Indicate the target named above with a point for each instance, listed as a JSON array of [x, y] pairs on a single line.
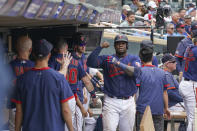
[[113, 69], [189, 57]]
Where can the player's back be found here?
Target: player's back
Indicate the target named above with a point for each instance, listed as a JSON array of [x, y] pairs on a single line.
[[41, 92], [182, 45], [18, 67], [21, 66], [151, 83]]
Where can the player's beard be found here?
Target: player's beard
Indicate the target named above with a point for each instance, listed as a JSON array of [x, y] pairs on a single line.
[[121, 53]]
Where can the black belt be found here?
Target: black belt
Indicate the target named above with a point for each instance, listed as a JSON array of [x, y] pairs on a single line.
[[121, 97]]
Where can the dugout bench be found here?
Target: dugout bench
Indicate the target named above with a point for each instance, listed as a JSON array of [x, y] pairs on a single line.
[[178, 116]]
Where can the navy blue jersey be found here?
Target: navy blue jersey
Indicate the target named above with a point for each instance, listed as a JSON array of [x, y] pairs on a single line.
[[75, 72], [152, 82], [21, 66], [188, 28], [190, 71], [173, 90], [155, 61], [116, 81], [83, 61], [41, 92], [81, 85], [180, 50], [18, 67]]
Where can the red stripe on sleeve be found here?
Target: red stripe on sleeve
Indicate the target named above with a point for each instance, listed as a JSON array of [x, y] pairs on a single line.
[[170, 88], [16, 101], [65, 100], [179, 56], [166, 85], [137, 84]]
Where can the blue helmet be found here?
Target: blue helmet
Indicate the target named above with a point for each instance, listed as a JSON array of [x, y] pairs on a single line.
[[121, 37]]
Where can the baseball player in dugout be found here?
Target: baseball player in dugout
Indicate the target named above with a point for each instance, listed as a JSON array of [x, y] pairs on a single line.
[[188, 85], [119, 88], [152, 84], [80, 42], [75, 74], [38, 90], [19, 66], [180, 50], [149, 43]]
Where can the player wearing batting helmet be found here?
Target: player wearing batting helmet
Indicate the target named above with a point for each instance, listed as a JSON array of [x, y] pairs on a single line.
[[152, 85], [119, 88], [42, 94], [188, 85]]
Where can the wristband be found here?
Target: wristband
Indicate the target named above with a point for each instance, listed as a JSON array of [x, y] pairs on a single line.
[[93, 82], [123, 66], [92, 93]]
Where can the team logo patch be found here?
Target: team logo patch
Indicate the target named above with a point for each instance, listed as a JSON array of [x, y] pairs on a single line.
[[120, 36]]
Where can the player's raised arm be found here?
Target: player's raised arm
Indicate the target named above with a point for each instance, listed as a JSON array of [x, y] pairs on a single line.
[[94, 60]]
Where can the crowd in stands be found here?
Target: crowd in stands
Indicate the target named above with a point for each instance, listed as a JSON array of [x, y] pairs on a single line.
[[176, 23]]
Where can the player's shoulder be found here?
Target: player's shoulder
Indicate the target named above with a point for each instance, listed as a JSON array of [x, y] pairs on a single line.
[[30, 63], [186, 41], [19, 62], [159, 70], [168, 74], [52, 72], [192, 46], [193, 49], [132, 57]]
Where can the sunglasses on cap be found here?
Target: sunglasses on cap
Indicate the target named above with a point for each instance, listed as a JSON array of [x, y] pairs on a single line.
[[82, 44]]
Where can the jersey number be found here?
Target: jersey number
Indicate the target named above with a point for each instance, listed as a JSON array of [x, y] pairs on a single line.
[[72, 78]]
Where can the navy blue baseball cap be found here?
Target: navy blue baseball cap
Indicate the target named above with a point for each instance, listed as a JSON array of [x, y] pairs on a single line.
[[42, 48], [168, 57], [146, 43], [194, 29]]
